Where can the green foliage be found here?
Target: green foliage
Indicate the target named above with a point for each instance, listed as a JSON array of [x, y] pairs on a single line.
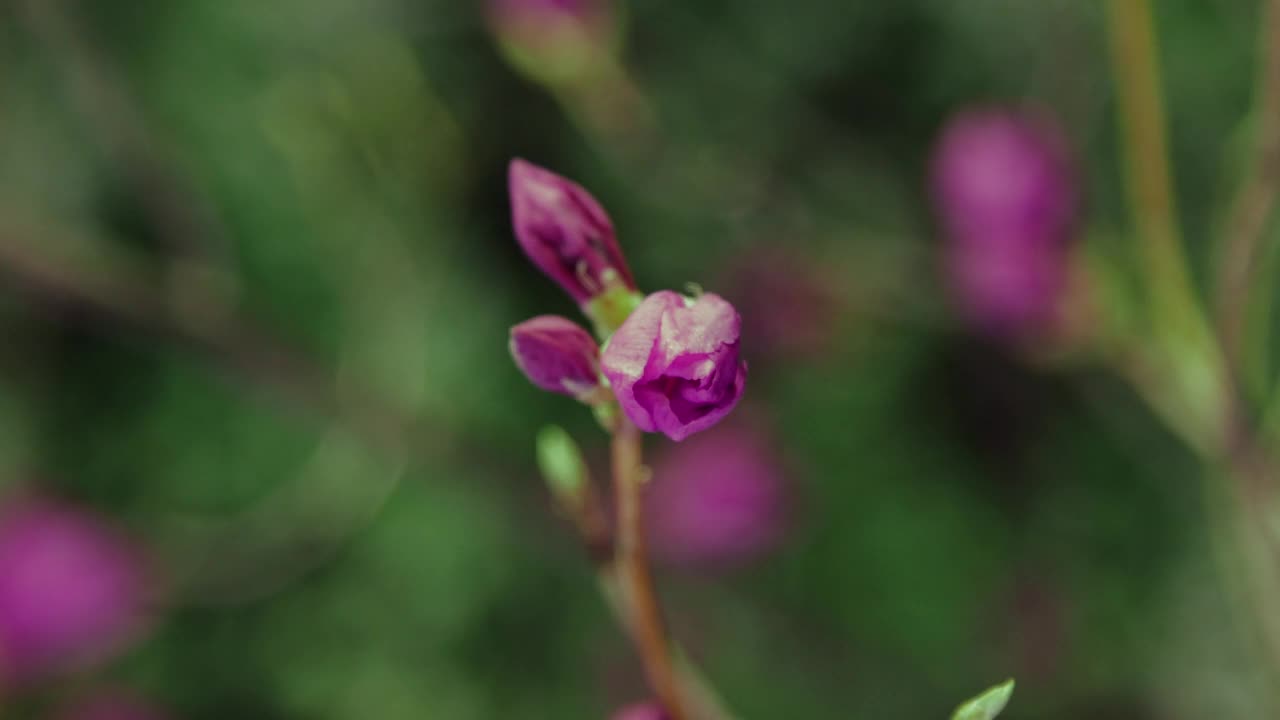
[[362, 534]]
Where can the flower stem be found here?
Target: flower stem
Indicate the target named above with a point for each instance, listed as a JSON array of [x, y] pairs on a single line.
[[1204, 404], [1244, 550], [699, 698], [1187, 357], [1148, 176], [632, 563], [586, 510], [1255, 201]]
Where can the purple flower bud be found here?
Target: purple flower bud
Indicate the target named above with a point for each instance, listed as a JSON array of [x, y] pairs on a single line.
[[717, 500], [71, 589], [641, 711], [565, 232], [1006, 199], [674, 363], [556, 354], [111, 705]]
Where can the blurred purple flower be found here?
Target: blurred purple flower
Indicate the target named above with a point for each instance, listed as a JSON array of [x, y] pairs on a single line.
[[565, 232], [788, 305], [557, 355], [641, 711], [717, 500], [112, 705], [674, 365], [1006, 198], [71, 589]]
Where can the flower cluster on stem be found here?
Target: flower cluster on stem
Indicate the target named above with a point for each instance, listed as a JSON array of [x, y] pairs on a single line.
[[670, 364]]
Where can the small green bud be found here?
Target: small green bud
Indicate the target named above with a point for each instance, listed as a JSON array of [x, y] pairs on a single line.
[[562, 466], [987, 705]]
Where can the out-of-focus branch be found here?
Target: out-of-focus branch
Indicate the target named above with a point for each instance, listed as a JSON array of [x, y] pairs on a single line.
[[1203, 401], [1184, 355], [1255, 202], [177, 212], [114, 291], [1149, 180], [193, 304]]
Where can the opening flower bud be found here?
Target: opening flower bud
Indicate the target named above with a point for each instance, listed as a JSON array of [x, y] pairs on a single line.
[[566, 233], [1006, 201], [674, 364], [559, 356]]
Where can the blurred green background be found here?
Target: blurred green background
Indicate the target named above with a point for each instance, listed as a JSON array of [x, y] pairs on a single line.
[[257, 274]]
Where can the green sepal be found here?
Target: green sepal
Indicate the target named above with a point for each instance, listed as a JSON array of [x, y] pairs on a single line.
[[611, 308], [987, 705]]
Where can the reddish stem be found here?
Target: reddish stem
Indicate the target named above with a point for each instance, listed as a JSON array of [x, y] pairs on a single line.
[[632, 563]]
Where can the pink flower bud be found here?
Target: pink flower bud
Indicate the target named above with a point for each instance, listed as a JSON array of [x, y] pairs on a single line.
[[557, 355], [1006, 200], [641, 711], [565, 232], [71, 589], [717, 500], [674, 364]]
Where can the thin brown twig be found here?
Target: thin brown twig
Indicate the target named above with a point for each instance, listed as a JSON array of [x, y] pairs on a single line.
[[632, 563], [696, 693], [592, 523], [1255, 202]]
